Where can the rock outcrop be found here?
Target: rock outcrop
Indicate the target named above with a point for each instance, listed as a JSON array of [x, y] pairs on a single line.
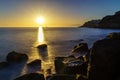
[[16, 57], [92, 23], [110, 21], [105, 58]]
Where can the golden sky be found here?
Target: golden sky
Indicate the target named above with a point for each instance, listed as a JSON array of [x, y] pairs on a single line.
[[57, 13]]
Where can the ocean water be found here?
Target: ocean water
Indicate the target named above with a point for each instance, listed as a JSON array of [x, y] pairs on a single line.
[[60, 42]]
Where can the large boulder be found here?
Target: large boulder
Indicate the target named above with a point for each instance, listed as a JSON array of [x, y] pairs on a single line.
[[16, 57], [105, 58], [3, 65], [31, 76]]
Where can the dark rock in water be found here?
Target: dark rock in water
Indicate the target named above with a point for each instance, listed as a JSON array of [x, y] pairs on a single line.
[[82, 47], [59, 65], [16, 57], [63, 77], [42, 46], [3, 65], [105, 58], [36, 62], [31, 76]]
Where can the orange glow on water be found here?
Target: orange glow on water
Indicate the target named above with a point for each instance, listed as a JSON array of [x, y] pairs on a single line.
[[40, 35]]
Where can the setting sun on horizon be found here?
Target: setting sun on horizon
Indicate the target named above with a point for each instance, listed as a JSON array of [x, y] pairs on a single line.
[[40, 20], [56, 13]]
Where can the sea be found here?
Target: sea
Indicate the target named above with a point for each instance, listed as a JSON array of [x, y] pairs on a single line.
[[60, 42]]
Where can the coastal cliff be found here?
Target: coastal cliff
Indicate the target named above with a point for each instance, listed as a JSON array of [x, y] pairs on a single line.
[[110, 21]]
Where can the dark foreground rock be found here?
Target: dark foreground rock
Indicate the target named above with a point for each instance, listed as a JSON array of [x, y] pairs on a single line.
[[3, 65], [59, 65], [63, 77], [16, 57], [105, 58], [31, 76], [36, 62]]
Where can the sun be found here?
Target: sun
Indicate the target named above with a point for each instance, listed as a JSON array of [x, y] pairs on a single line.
[[40, 20]]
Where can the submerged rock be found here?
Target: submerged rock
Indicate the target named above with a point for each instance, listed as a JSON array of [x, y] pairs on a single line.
[[105, 58], [3, 65], [42, 46], [16, 57], [31, 76], [82, 47]]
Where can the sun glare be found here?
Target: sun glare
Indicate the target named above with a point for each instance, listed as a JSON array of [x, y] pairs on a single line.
[[40, 20]]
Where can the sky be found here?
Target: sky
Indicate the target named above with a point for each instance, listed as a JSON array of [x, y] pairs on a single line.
[[57, 13]]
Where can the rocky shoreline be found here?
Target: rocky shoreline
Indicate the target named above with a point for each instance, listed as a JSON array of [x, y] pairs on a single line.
[[107, 22], [100, 62]]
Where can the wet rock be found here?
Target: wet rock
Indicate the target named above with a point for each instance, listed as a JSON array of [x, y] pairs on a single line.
[[16, 57], [63, 77], [3, 65], [36, 62], [42, 46], [82, 47], [31, 76], [105, 58], [59, 65]]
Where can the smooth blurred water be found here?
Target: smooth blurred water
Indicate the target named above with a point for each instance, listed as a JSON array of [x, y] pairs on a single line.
[[60, 41]]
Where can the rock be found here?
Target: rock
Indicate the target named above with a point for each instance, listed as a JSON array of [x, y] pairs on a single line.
[[110, 21], [36, 62], [92, 23], [59, 65], [31, 76], [63, 77], [105, 58], [82, 47], [16, 57], [42, 46], [3, 65]]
